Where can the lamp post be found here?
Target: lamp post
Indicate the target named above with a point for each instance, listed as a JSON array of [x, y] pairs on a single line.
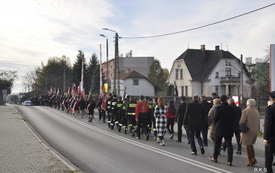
[[116, 68], [107, 58]]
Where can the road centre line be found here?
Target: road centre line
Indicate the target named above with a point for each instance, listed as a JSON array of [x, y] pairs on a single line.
[[148, 147]]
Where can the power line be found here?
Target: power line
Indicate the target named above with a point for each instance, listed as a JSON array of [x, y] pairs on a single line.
[[203, 26]]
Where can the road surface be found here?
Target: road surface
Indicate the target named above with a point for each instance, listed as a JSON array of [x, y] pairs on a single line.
[[94, 148]]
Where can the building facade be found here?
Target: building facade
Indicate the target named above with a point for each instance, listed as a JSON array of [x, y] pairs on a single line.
[[201, 71], [138, 64]]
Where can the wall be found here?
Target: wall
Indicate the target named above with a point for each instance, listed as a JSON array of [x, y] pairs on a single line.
[[144, 88]]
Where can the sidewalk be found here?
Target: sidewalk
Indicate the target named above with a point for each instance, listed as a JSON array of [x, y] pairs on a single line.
[[22, 151]]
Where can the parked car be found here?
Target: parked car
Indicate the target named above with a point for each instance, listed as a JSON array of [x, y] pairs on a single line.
[[27, 103]]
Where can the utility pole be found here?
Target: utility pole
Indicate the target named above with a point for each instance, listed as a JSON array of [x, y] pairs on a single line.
[[241, 85], [64, 78], [116, 65]]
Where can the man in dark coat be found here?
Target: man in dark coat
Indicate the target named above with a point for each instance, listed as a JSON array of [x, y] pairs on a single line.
[[223, 120], [269, 133], [180, 116], [236, 126], [193, 122], [206, 106]]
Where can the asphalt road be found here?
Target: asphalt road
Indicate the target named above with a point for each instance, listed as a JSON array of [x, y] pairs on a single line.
[[94, 148]]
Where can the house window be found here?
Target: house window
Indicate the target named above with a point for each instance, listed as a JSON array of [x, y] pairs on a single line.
[[181, 74], [135, 82], [217, 75], [227, 71], [177, 74], [227, 63]]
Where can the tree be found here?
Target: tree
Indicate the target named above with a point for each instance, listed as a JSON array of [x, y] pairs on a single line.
[[157, 76], [90, 71], [52, 75], [7, 79], [29, 80], [77, 68]]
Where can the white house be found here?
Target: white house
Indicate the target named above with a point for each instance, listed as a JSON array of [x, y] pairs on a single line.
[[137, 84], [200, 71]]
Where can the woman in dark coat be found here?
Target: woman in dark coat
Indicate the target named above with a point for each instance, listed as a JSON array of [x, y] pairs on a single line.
[[91, 107], [82, 106], [171, 115]]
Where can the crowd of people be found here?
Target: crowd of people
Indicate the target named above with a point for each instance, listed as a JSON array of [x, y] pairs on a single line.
[[221, 117]]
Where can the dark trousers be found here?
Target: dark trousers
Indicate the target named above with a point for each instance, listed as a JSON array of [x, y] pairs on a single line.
[[238, 139], [192, 135], [217, 145], [103, 115], [204, 133], [170, 125], [180, 132], [269, 151], [142, 123]]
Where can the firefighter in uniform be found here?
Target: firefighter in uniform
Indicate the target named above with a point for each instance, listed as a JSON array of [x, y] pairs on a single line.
[[149, 120], [112, 113], [109, 100], [123, 115], [130, 111], [116, 115]]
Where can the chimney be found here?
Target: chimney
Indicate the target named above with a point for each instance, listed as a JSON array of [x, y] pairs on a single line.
[[203, 49], [128, 70], [217, 48]]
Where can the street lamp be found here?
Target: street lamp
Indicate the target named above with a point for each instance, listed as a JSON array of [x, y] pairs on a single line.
[[107, 58], [116, 70]]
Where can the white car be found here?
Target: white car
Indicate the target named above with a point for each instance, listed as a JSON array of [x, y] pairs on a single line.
[[27, 103]]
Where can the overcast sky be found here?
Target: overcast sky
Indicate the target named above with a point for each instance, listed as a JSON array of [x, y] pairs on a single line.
[[34, 30]]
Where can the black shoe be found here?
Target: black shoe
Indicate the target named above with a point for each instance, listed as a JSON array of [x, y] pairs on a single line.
[[147, 137], [194, 153], [178, 141], [238, 152], [133, 134], [138, 137], [202, 151], [171, 137]]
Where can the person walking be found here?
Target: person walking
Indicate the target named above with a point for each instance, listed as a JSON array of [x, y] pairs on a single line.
[[131, 112], [161, 120], [82, 106], [211, 114], [269, 133], [236, 126], [91, 107], [181, 111], [171, 115], [223, 121], [141, 116], [251, 118], [206, 106], [193, 122]]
